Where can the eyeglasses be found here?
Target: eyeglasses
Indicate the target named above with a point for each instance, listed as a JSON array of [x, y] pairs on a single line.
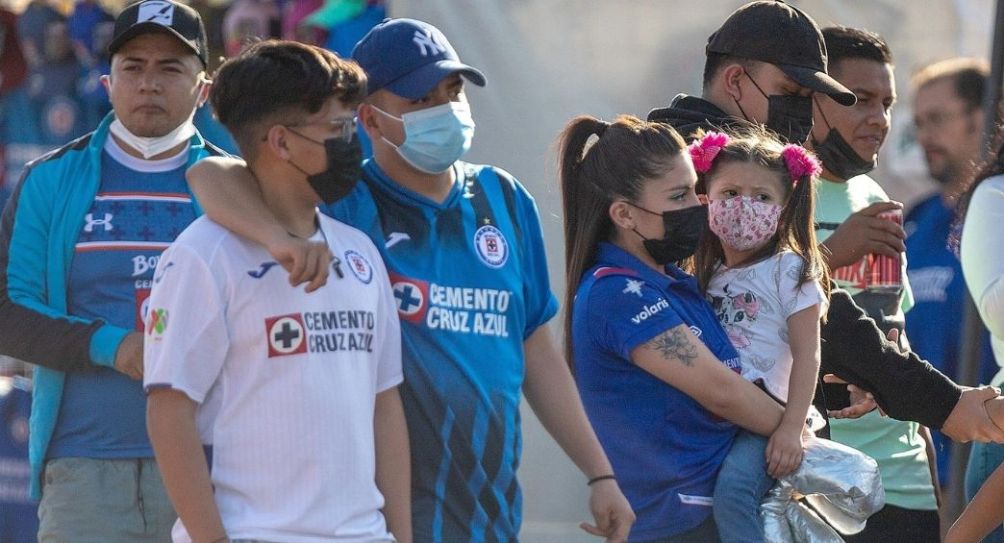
[[937, 120], [343, 127]]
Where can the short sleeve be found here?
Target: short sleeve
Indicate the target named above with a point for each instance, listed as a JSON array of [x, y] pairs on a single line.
[[625, 312], [795, 297], [185, 337], [541, 304], [389, 373]]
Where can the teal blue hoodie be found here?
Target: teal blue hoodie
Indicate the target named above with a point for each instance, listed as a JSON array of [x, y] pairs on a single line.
[[38, 233]]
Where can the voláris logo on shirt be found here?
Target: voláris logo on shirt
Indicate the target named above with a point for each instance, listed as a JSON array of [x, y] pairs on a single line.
[[359, 266], [650, 310], [491, 246], [320, 332], [466, 310]]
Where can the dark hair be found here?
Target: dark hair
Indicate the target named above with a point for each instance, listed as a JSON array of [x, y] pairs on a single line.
[[627, 152], [280, 80], [992, 166], [796, 228], [844, 43], [715, 62], [969, 78]]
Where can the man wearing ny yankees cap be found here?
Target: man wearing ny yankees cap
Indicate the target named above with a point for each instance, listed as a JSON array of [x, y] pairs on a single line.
[[79, 241], [464, 249]]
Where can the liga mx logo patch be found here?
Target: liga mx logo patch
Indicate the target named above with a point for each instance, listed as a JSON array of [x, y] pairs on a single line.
[[156, 11], [359, 266], [491, 246], [286, 335]]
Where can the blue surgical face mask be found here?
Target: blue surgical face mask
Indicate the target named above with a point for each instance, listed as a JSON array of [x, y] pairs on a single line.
[[436, 137]]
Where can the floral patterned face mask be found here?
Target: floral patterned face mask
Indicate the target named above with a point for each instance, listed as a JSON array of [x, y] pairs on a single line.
[[742, 222]]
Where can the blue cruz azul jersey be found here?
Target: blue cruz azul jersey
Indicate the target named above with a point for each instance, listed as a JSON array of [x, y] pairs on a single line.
[[470, 279], [134, 217], [665, 447]]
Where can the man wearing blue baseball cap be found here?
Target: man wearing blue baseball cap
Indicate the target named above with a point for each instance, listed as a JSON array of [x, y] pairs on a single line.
[[464, 249]]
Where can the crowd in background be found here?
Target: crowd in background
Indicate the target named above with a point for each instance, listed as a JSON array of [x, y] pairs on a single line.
[[53, 56]]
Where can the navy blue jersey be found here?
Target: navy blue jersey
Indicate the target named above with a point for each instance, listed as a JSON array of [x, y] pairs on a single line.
[[939, 292], [135, 215], [665, 447], [470, 279]]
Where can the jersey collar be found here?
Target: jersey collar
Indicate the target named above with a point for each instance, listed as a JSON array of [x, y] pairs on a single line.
[[376, 175], [612, 255]]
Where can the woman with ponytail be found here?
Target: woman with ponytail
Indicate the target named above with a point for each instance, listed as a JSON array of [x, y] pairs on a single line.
[[657, 373]]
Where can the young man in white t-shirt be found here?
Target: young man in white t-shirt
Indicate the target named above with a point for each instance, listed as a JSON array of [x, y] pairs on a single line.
[[296, 394]]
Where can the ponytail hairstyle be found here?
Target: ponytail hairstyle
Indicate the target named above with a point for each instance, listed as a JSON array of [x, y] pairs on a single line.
[[624, 154], [796, 170]]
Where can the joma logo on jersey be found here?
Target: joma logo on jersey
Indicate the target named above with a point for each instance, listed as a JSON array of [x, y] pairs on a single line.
[[650, 310], [286, 335]]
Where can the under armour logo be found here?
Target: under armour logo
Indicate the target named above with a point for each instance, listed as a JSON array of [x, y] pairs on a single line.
[[106, 222], [428, 42], [396, 237]]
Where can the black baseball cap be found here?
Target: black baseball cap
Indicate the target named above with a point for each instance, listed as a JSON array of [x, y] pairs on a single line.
[[176, 19], [774, 32]]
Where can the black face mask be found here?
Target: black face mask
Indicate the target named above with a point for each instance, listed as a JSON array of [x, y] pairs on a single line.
[[790, 117], [344, 168], [683, 231], [838, 156]]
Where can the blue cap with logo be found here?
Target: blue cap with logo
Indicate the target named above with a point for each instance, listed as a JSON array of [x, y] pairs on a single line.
[[409, 58]]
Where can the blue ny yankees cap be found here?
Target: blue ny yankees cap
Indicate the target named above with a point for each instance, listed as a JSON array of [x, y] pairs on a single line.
[[409, 58], [176, 19]]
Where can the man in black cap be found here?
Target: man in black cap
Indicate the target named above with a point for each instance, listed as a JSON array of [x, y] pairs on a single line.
[[79, 241], [763, 66]]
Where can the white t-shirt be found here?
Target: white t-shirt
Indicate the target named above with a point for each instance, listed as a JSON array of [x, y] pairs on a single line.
[[753, 303], [982, 264], [285, 381]]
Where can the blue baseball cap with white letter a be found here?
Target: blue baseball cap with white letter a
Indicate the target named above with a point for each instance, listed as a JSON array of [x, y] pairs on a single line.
[[409, 58]]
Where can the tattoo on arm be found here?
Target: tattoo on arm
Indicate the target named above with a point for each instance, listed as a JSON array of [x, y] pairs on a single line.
[[674, 345]]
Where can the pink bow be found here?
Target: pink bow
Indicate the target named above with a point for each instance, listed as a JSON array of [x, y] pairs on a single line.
[[704, 150], [800, 162]]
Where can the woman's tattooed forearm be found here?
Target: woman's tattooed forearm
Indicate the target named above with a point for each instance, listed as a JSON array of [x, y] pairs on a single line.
[[674, 345]]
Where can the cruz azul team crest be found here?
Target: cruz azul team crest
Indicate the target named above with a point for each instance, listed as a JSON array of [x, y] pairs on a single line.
[[491, 246], [359, 266]]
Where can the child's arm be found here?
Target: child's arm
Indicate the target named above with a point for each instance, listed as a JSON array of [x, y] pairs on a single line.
[[932, 462], [228, 193], [170, 420], [393, 463], [983, 514], [784, 450]]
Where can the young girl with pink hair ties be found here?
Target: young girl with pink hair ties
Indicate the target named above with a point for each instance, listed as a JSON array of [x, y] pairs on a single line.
[[762, 273]]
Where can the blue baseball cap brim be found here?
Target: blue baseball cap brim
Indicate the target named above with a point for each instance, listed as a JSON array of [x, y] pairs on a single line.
[[421, 81]]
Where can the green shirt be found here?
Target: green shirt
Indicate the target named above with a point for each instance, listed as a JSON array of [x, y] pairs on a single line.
[[896, 445]]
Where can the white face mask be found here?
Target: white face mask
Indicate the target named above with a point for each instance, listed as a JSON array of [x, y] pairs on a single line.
[[151, 147]]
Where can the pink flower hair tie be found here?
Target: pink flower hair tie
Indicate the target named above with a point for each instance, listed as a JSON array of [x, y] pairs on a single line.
[[704, 150], [800, 162]]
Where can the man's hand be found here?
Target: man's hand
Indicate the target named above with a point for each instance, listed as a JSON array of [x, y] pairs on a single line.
[[862, 401], [306, 261], [969, 420], [865, 233], [129, 356], [611, 511]]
